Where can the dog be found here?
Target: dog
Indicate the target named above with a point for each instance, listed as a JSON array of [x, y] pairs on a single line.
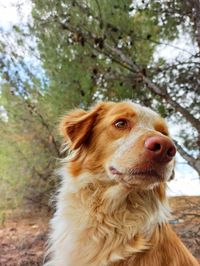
[[112, 208]]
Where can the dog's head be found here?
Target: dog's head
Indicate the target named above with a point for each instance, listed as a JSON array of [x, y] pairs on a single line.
[[123, 142]]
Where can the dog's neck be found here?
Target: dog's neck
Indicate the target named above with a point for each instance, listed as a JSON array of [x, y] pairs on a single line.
[[100, 210]]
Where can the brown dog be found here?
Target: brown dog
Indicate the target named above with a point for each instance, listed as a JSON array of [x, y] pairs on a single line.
[[112, 208]]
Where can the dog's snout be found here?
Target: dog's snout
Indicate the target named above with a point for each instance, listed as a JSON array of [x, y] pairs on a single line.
[[160, 149]]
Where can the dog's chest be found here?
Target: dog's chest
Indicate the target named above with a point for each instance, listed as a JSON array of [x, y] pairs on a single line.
[[101, 236]]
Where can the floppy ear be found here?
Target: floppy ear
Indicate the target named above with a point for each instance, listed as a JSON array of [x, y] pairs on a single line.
[[76, 126]]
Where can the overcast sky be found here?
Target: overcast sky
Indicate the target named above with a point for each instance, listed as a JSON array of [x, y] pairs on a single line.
[[186, 180]]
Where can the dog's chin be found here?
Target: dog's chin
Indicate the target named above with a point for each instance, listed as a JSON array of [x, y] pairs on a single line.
[[140, 181], [137, 178]]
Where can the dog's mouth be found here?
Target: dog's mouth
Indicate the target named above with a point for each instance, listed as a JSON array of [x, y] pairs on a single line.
[[148, 173]]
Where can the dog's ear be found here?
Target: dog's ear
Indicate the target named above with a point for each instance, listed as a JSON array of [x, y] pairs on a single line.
[[76, 126]]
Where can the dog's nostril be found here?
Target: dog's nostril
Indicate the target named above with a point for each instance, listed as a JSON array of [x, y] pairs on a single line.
[[171, 152], [157, 147], [152, 146]]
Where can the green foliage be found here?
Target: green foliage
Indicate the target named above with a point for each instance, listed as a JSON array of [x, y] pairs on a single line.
[[26, 156], [77, 64]]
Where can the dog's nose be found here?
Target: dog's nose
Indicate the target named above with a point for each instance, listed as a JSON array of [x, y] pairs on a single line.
[[160, 149]]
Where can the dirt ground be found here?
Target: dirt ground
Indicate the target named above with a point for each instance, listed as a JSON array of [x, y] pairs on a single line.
[[186, 221], [22, 240]]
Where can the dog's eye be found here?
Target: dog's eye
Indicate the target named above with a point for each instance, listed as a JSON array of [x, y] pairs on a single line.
[[121, 123]]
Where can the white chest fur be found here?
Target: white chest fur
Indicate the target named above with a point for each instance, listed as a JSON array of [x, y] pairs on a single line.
[[96, 224]]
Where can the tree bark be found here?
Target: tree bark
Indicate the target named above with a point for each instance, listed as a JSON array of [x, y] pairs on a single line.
[[195, 163]]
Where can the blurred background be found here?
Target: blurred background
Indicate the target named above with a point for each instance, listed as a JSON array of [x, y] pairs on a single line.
[[57, 55]]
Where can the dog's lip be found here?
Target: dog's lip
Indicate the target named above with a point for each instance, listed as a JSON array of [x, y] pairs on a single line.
[[136, 171], [143, 172], [114, 171]]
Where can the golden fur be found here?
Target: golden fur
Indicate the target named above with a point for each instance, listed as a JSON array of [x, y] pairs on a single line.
[[107, 217]]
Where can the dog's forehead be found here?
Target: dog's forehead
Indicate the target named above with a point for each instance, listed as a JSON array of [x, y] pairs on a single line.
[[145, 114], [142, 113]]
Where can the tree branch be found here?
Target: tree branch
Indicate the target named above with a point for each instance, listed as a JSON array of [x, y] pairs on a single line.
[[195, 122], [195, 163]]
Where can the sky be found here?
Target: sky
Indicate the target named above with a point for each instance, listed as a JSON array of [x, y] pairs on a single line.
[[14, 11], [186, 180]]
